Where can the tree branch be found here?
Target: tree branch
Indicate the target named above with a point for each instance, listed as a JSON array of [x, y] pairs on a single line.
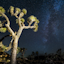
[[15, 15], [27, 27], [10, 30], [4, 37], [19, 22], [30, 23], [10, 45], [24, 27], [8, 22], [19, 31]]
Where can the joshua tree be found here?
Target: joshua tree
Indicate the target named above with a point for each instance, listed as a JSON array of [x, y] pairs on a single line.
[[32, 24], [33, 53], [37, 54], [59, 51], [22, 50]]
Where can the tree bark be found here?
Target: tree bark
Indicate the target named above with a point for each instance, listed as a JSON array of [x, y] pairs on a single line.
[[14, 50]]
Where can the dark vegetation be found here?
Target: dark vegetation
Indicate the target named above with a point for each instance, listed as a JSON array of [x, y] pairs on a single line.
[[35, 58]]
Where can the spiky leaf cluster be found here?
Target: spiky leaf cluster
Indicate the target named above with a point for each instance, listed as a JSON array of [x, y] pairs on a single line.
[[4, 48], [36, 28], [35, 20], [11, 10], [0, 24], [32, 18], [7, 60], [2, 10], [17, 21], [17, 11], [24, 11], [3, 30], [18, 50], [22, 20]]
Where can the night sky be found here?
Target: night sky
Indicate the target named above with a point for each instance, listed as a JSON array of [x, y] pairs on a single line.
[[50, 35]]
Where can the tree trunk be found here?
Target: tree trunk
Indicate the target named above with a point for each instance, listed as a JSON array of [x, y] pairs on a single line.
[[14, 50], [23, 55]]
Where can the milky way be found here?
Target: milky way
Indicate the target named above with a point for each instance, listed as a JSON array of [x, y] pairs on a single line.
[[52, 21]]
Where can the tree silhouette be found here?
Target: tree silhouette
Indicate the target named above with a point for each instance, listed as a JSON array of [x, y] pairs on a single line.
[[59, 51], [33, 53], [22, 50], [37, 54]]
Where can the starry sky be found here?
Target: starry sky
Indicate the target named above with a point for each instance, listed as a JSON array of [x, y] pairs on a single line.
[[50, 35]]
